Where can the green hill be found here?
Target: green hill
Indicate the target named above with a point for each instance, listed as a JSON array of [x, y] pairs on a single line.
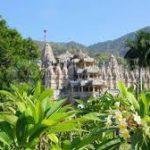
[[116, 46], [61, 47]]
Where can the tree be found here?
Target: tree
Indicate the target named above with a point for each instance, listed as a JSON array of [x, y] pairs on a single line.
[[18, 57], [102, 58], [139, 53]]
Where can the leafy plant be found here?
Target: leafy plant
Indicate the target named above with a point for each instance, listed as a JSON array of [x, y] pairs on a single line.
[[35, 115]]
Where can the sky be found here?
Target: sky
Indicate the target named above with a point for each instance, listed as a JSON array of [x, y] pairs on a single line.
[[83, 21]]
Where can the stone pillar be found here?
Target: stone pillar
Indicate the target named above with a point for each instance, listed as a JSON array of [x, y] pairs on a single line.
[[72, 89], [82, 89], [93, 89]]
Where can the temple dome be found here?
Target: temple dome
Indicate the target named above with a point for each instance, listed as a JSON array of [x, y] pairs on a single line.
[[65, 56]]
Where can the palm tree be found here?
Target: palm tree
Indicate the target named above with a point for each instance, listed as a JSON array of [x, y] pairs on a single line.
[[139, 53]]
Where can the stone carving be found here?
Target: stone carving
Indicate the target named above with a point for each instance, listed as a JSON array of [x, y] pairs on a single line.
[[77, 75]]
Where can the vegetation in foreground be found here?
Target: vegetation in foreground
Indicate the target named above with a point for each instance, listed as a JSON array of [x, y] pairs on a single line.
[[31, 119]]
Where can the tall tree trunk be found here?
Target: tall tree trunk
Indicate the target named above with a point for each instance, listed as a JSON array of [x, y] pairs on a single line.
[[140, 84]]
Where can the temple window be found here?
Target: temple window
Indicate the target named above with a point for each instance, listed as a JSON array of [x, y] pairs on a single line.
[[86, 89], [91, 89]]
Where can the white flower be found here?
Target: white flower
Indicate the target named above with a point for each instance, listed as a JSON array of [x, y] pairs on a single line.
[[137, 118], [109, 121], [81, 106], [117, 104], [125, 133], [118, 115], [122, 124], [132, 108]]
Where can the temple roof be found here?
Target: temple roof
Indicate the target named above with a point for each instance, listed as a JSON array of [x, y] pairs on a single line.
[[92, 69], [89, 59], [80, 54], [76, 60], [47, 55], [65, 56]]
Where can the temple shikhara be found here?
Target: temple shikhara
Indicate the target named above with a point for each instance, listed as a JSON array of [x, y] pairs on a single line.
[[78, 75]]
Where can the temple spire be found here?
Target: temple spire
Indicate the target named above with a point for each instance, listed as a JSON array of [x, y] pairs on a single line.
[[45, 35], [47, 56]]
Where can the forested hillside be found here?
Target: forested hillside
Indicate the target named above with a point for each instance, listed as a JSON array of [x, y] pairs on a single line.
[[116, 46]]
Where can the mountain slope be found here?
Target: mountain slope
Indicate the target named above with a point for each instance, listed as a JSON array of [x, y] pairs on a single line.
[[61, 47], [116, 46]]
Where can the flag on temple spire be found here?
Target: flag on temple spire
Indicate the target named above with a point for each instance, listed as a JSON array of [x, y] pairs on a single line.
[[45, 34]]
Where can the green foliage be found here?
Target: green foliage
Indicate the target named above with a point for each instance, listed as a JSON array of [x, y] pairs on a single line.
[[128, 96], [18, 57], [36, 115], [103, 57], [117, 114], [138, 54], [36, 121], [140, 137], [139, 49]]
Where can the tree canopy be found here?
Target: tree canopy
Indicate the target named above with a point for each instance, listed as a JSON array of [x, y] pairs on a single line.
[[18, 57], [139, 49]]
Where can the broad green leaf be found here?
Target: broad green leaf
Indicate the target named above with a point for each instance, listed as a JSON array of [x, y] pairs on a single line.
[[60, 116], [48, 122], [8, 118], [145, 97], [21, 106], [66, 126], [122, 88], [56, 105], [55, 147], [53, 137], [7, 128], [46, 93], [109, 144], [92, 116], [36, 131], [133, 101], [39, 114], [66, 145], [21, 129], [4, 138], [9, 95], [129, 96], [37, 90], [31, 107], [94, 135]]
